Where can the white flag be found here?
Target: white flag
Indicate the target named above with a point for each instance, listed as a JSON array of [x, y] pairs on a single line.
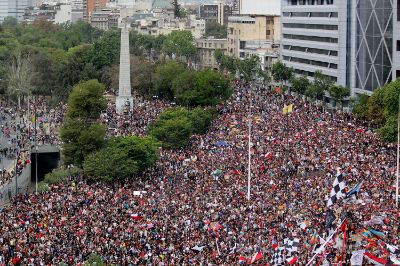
[[357, 257]]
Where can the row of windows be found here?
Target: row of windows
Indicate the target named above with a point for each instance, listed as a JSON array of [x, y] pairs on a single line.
[[310, 26], [310, 2], [398, 10], [310, 50], [210, 45], [310, 38], [311, 74], [311, 14], [310, 62]]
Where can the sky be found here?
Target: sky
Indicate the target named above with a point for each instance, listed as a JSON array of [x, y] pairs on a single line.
[[267, 7]]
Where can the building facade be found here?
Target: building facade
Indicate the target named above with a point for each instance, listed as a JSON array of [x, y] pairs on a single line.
[[92, 5], [352, 42], [215, 12], [251, 28], [205, 51], [104, 19], [14, 8], [396, 40]]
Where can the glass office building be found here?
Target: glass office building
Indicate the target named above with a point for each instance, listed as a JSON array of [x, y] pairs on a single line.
[[353, 42]]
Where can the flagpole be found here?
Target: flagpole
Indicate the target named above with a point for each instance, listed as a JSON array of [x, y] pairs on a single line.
[[249, 148], [398, 152]]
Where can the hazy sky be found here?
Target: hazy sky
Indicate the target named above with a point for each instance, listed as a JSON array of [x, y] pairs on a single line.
[[268, 7]]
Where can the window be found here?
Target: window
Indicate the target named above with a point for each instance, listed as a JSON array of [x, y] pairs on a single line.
[[398, 44], [268, 32], [397, 73], [310, 26], [398, 10], [310, 38]]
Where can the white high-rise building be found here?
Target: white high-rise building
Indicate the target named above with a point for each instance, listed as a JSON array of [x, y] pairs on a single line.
[[259, 7], [349, 41], [13, 8]]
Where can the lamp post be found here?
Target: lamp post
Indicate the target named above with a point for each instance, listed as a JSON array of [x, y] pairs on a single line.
[[398, 153]]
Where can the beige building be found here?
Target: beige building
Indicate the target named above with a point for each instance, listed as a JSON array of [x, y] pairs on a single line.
[[205, 51], [165, 25], [104, 19], [251, 28]]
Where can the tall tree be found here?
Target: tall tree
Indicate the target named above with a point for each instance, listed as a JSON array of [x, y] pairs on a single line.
[[317, 88], [180, 43], [339, 93], [281, 73], [216, 30], [19, 76], [105, 51], [164, 77], [80, 133], [300, 84], [249, 68], [86, 101]]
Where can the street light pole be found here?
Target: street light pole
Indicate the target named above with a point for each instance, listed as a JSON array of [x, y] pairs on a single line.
[[249, 149], [398, 153], [36, 149]]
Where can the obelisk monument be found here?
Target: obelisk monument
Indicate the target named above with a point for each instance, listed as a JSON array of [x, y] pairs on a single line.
[[124, 101]]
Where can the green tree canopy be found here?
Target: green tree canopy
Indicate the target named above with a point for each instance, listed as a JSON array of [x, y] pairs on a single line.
[[180, 43], [216, 30], [339, 93], [105, 51], [300, 84], [203, 88], [280, 72], [80, 140], [86, 101], [164, 77], [320, 84], [122, 158], [175, 126]]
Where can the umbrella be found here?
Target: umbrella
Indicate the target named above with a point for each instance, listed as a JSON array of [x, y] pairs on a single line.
[[221, 144]]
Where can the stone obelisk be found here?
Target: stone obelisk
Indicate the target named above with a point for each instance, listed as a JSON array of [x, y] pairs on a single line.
[[124, 101]]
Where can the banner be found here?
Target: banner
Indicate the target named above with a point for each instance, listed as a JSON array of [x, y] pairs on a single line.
[[357, 257]]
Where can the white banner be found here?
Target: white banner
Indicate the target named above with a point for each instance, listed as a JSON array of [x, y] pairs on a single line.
[[357, 257]]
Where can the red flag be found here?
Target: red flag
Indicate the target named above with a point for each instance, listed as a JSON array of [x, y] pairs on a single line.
[[136, 217], [278, 90], [292, 260], [257, 256], [242, 260], [236, 172], [375, 260]]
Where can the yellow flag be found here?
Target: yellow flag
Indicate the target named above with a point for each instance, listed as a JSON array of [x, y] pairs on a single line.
[[290, 108], [285, 109]]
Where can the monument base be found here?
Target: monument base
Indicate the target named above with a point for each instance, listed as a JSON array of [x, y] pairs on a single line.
[[124, 104]]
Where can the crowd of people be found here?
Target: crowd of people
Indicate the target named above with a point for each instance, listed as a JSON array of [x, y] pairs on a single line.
[[136, 121], [192, 208], [18, 131]]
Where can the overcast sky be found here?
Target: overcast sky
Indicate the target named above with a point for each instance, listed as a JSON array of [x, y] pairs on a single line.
[[268, 7]]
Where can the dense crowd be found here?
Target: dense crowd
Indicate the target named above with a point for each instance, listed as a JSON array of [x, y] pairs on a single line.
[[191, 208], [18, 132], [136, 121]]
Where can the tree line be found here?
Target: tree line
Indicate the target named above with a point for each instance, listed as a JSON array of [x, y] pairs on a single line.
[[47, 59]]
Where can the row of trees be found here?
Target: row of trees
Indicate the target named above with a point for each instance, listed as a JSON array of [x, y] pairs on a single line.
[[47, 59], [315, 89], [172, 80]]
